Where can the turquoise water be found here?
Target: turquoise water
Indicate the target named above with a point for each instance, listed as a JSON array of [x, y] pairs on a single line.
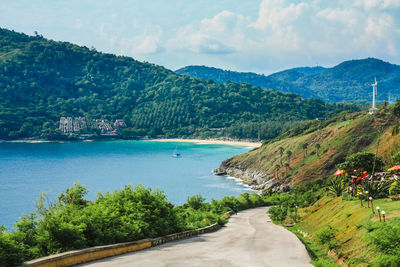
[[26, 170]]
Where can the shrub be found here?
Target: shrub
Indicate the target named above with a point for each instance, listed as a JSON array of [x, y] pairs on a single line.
[[396, 158], [362, 161], [392, 260], [394, 188], [377, 190], [336, 187], [195, 202], [326, 236], [11, 252], [324, 262], [386, 238], [278, 213]]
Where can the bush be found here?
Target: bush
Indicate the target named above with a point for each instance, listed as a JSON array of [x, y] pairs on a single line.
[[378, 190], [195, 202], [326, 236], [336, 187], [394, 188], [386, 238], [278, 213], [11, 252], [392, 260]]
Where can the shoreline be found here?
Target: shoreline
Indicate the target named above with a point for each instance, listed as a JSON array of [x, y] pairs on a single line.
[[178, 140], [209, 141]]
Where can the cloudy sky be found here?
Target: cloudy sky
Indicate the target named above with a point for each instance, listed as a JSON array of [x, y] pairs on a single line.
[[262, 36]]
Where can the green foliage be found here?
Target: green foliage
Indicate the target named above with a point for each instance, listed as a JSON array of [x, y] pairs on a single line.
[[396, 158], [386, 238], [74, 195], [326, 236], [42, 80], [278, 213], [362, 161], [396, 109], [129, 214], [394, 188], [336, 186], [324, 262], [195, 202], [12, 253], [379, 189], [317, 253], [310, 192]]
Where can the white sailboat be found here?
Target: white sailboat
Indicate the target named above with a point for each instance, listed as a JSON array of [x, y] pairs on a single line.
[[176, 154]]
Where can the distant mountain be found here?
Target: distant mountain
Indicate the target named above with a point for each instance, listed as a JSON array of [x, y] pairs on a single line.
[[349, 81], [42, 80]]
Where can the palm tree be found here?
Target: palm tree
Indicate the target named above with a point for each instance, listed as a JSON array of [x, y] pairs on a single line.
[[305, 146], [277, 167], [286, 167], [317, 147], [281, 149], [288, 154]]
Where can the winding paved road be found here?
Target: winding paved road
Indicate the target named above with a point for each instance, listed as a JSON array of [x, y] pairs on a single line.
[[249, 239]]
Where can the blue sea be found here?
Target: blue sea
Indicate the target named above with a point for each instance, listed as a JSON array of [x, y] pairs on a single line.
[[27, 170]]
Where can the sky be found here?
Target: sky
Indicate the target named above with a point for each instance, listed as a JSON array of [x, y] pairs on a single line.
[[262, 36]]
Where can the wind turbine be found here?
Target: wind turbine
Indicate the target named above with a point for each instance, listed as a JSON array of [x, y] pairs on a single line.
[[374, 110]]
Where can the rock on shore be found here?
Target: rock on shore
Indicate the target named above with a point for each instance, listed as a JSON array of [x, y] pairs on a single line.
[[256, 179]]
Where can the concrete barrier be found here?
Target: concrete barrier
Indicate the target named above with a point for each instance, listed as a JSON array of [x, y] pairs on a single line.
[[95, 253]]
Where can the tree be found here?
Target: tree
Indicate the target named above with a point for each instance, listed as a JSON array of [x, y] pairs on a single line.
[[289, 154], [277, 167], [281, 150], [305, 146], [362, 161], [317, 147], [396, 112], [286, 167]]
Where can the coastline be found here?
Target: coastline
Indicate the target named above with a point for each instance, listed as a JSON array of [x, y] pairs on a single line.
[[178, 140], [209, 141]]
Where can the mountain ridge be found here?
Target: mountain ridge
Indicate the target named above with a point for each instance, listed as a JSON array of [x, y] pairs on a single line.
[[348, 81]]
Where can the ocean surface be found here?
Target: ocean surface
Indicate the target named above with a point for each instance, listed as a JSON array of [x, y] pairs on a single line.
[[27, 170]]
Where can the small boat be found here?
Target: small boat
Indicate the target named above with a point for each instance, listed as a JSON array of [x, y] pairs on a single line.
[[176, 154]]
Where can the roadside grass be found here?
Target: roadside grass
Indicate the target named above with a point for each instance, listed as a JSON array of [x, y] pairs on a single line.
[[351, 222], [319, 256]]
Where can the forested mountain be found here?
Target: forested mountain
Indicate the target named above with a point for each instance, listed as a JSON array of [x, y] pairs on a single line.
[[349, 81], [42, 80]]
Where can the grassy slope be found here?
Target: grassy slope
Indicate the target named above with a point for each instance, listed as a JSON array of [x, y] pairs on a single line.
[[348, 217], [344, 135]]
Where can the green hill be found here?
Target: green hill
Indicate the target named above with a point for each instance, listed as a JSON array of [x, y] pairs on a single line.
[[42, 80], [316, 147], [349, 81]]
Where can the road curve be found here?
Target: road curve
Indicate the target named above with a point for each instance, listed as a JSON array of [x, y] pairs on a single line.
[[248, 239]]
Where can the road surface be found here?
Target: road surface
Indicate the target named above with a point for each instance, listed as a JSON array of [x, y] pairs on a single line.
[[248, 239]]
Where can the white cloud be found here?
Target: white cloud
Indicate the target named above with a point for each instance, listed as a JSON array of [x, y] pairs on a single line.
[[377, 4], [273, 14], [146, 41], [216, 35]]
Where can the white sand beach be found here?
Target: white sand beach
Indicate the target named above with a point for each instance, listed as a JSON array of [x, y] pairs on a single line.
[[210, 141]]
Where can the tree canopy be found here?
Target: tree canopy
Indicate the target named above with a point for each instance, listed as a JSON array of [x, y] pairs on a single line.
[[42, 80]]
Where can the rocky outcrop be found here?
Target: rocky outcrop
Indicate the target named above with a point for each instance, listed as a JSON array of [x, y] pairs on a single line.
[[256, 179]]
